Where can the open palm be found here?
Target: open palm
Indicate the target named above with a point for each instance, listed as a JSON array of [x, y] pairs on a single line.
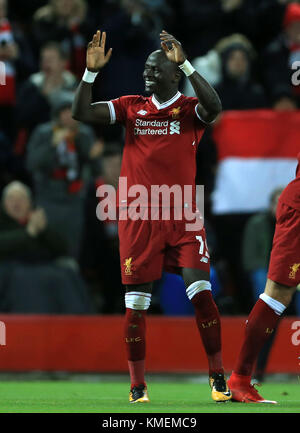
[[95, 56]]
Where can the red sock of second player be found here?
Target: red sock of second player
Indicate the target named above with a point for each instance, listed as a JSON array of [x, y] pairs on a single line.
[[260, 325]]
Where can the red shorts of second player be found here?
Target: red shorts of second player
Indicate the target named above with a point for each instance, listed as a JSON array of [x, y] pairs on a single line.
[[147, 247], [284, 267]]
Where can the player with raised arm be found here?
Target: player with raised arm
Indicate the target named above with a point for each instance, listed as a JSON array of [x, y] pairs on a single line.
[[283, 279], [162, 134]]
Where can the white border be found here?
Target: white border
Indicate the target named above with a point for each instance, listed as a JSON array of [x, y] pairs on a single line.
[[167, 103]]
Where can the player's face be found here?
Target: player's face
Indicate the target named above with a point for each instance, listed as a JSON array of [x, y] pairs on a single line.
[[158, 73]]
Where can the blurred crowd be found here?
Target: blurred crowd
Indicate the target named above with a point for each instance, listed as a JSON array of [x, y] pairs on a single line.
[[56, 256]]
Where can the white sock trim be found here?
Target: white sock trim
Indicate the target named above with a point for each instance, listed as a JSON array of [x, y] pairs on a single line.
[[277, 306], [196, 287], [89, 76], [137, 300]]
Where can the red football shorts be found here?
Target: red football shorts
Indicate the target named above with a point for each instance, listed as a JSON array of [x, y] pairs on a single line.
[[147, 247], [284, 267]]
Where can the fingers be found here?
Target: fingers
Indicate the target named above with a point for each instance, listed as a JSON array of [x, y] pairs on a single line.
[[108, 55], [171, 41], [94, 40], [168, 38], [98, 40], [164, 46], [98, 35], [165, 35], [103, 39], [92, 43]]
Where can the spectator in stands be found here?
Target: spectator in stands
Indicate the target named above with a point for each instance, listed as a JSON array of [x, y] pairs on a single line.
[[282, 52], [210, 20], [31, 278], [211, 63], [24, 231], [6, 171], [99, 258], [153, 15], [232, 65], [8, 55], [59, 153], [128, 51], [66, 22], [257, 245], [238, 90], [283, 98], [259, 20], [41, 91]]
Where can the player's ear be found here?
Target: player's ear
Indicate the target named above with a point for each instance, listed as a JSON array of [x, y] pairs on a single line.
[[177, 75]]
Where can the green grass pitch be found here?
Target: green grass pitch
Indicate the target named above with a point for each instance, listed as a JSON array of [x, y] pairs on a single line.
[[112, 397]]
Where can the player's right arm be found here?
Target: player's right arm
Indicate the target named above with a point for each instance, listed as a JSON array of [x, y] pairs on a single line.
[[82, 108]]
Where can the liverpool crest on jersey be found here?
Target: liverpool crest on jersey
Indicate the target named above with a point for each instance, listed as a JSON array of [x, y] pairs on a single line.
[[293, 271], [128, 265], [175, 112]]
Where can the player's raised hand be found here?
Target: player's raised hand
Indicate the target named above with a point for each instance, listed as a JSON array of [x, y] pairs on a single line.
[[172, 48], [95, 56]]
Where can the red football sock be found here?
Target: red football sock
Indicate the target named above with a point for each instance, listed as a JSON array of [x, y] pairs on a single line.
[[260, 325], [208, 322], [135, 332], [137, 372]]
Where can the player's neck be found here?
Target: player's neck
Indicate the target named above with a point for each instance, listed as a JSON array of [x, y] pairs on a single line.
[[162, 97]]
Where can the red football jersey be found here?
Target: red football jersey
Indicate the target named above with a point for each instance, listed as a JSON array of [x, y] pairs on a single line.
[[160, 142], [291, 194]]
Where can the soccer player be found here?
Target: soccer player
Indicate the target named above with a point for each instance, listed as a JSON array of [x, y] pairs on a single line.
[[162, 133], [282, 281]]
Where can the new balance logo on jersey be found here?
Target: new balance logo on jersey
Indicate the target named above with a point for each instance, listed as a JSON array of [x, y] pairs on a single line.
[[175, 127], [142, 112]]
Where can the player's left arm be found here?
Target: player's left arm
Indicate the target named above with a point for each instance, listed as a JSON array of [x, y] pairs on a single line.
[[209, 105]]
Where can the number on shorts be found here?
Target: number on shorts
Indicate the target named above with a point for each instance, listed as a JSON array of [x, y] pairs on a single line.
[[203, 246]]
